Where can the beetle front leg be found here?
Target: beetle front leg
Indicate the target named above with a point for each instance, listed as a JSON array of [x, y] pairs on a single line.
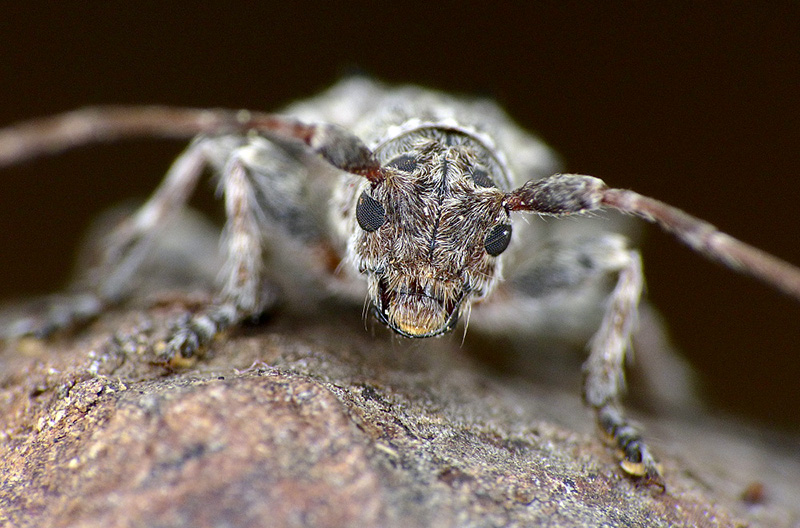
[[556, 296], [604, 375], [241, 295]]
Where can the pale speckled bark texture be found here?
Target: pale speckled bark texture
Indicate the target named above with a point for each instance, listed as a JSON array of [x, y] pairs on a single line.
[[312, 421]]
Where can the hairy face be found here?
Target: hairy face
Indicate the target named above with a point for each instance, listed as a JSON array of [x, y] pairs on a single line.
[[429, 235]]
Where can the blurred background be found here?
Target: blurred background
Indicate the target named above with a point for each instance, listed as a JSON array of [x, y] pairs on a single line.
[[697, 105]]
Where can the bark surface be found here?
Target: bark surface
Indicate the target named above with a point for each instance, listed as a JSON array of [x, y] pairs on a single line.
[[313, 421]]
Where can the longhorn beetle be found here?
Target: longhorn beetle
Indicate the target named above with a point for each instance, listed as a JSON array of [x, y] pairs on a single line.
[[414, 192]]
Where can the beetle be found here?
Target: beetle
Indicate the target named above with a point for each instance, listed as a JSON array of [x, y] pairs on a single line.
[[416, 195]]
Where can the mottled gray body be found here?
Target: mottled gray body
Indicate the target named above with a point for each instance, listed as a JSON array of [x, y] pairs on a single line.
[[427, 262]]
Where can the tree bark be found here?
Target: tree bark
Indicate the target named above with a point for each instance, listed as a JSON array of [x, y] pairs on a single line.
[[308, 420]]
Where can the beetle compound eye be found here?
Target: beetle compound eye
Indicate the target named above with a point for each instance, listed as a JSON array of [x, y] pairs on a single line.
[[369, 213], [403, 163], [482, 179], [497, 240]]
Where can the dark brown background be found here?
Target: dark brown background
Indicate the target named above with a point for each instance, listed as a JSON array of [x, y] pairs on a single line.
[[697, 106]]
